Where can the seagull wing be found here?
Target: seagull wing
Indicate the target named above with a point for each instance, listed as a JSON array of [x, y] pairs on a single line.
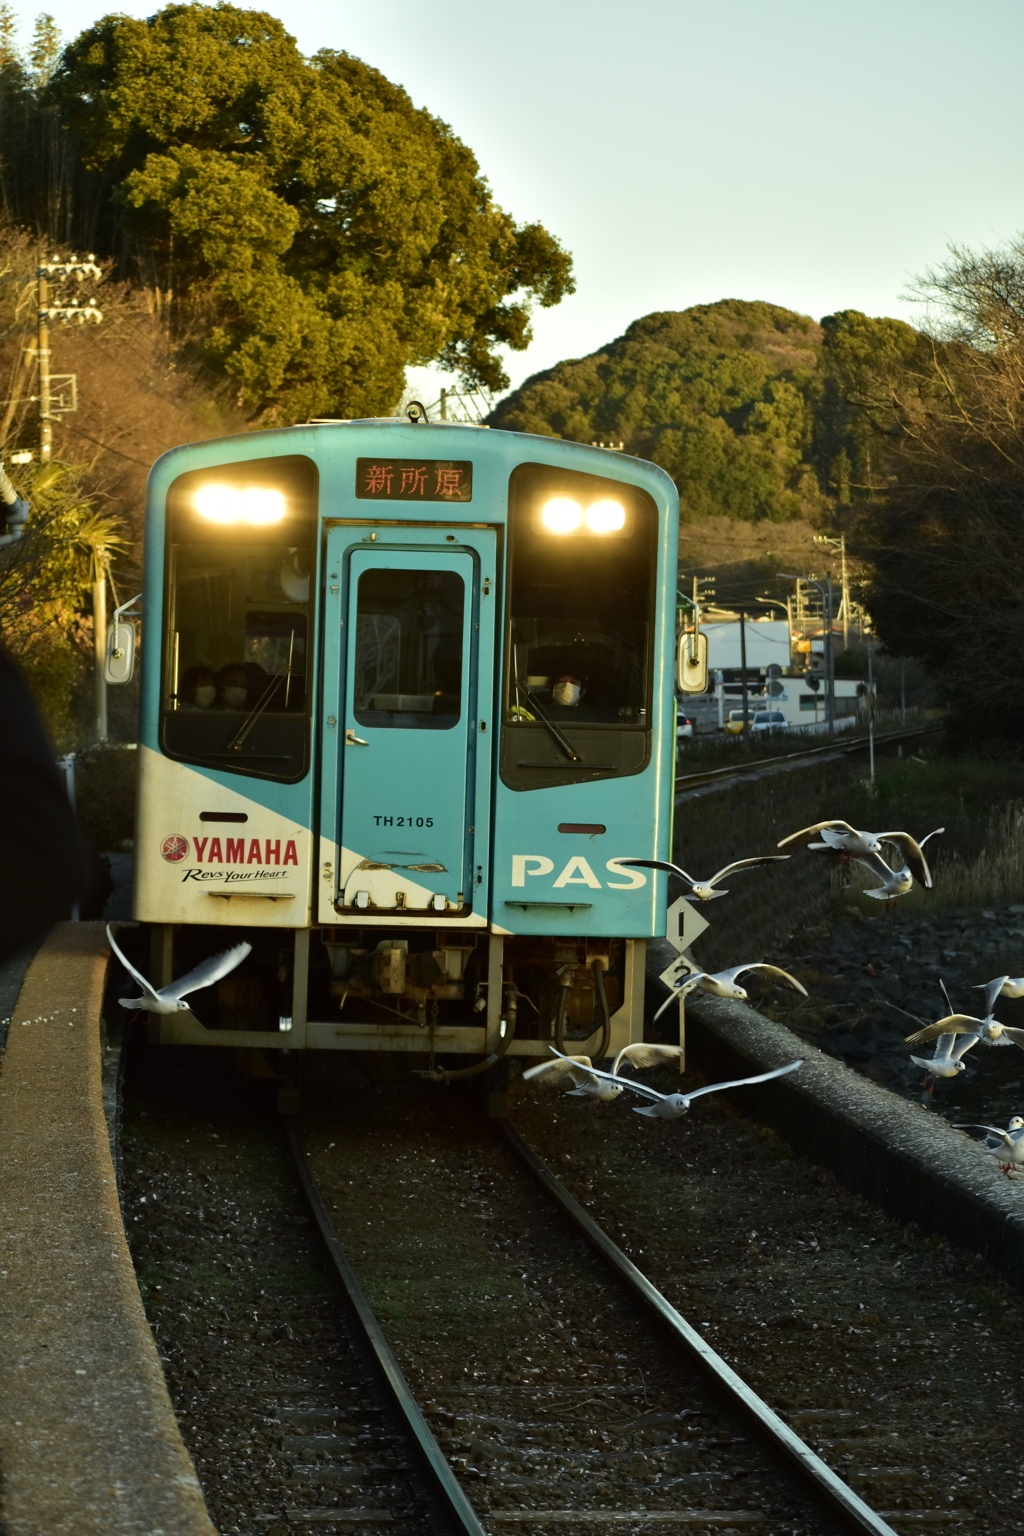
[[742, 1082], [676, 994], [819, 826], [146, 986], [670, 869], [956, 1024], [608, 1077], [554, 1071], [774, 971], [949, 1005], [1016, 1035], [765, 858], [913, 853], [993, 1130], [640, 1056], [991, 990], [876, 864], [207, 972]]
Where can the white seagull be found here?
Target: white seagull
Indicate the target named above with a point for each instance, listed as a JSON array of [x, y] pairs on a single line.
[[989, 1031], [672, 1106], [724, 983], [895, 882], [702, 889], [840, 837], [578, 1070], [1007, 1146], [171, 999], [947, 1060], [1003, 986]]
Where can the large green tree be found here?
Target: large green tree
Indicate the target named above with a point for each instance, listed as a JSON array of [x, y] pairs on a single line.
[[313, 232], [717, 395]]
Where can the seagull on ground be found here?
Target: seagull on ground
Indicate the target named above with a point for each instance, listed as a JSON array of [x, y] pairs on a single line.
[[1007, 1146], [703, 890], [724, 983], [672, 1106], [840, 837], [171, 999]]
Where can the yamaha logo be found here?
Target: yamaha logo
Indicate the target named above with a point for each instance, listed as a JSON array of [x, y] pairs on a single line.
[[174, 848]]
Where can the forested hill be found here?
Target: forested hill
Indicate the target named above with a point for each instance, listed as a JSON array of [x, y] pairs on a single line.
[[732, 399]]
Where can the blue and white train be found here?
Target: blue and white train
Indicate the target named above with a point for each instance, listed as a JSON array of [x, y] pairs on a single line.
[[412, 704]]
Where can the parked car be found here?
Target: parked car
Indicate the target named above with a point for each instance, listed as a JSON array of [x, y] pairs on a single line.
[[686, 727], [767, 720], [734, 721]]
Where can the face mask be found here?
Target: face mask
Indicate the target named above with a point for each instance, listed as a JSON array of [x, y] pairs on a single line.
[[234, 698], [566, 693], [205, 695]]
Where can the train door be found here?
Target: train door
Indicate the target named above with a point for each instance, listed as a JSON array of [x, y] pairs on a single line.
[[408, 730]]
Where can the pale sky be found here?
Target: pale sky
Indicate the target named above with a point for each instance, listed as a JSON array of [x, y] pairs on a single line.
[[814, 153]]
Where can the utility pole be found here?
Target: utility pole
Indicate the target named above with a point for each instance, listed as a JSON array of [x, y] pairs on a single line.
[[743, 670], [99, 638], [844, 608], [43, 362], [58, 272], [830, 676]]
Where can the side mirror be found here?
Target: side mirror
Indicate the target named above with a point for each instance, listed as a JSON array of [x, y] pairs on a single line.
[[120, 657], [692, 662]]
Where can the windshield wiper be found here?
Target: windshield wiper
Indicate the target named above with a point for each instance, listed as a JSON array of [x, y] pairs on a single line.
[[241, 736], [552, 729], [556, 735]]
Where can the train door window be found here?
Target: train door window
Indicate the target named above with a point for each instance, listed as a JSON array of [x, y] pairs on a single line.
[[408, 660], [581, 595], [237, 654]]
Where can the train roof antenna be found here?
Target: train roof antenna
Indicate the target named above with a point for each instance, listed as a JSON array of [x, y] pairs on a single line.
[[417, 412]]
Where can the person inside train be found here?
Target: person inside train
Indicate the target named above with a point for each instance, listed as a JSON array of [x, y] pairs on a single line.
[[198, 689], [233, 686]]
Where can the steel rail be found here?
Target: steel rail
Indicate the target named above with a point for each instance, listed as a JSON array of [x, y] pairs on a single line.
[[835, 748], [851, 1511], [443, 1481]]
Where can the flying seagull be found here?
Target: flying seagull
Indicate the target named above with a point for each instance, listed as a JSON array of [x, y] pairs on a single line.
[[948, 1058], [171, 999], [724, 984], [672, 1106], [702, 889], [577, 1070], [1003, 986], [989, 1031], [840, 837]]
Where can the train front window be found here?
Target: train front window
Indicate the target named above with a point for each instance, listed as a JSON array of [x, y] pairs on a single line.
[[582, 553], [408, 660], [237, 652]]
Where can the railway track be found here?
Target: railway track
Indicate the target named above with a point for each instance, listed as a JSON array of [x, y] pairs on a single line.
[[661, 1432], [838, 748]]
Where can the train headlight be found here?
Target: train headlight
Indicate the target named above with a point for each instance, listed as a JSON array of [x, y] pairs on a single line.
[[606, 517], [561, 515], [226, 504]]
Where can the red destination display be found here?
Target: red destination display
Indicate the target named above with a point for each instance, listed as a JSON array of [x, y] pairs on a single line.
[[414, 480]]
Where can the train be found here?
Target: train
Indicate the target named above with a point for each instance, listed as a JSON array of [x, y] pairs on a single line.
[[408, 700]]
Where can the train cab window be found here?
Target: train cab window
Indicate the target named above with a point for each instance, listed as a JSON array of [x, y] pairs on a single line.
[[582, 557], [237, 654], [408, 656]]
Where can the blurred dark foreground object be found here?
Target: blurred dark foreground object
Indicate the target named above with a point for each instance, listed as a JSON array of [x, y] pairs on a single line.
[[41, 864]]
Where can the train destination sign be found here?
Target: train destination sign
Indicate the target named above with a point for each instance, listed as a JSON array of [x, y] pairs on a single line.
[[414, 480]]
